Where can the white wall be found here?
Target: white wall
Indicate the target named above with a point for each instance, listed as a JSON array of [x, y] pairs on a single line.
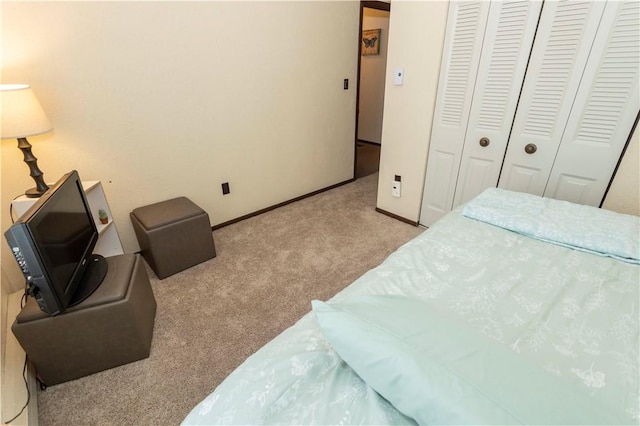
[[162, 99], [372, 79], [416, 36]]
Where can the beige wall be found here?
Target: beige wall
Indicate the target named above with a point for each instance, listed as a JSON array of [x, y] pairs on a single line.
[[408, 113], [161, 99], [4, 298], [416, 36]]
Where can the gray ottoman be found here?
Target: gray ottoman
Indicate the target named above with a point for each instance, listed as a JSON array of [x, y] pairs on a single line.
[[173, 235], [113, 326]]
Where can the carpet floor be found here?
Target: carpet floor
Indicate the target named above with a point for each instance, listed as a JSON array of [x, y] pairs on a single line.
[[211, 317]]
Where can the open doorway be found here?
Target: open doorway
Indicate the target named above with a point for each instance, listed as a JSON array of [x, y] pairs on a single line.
[[374, 22]]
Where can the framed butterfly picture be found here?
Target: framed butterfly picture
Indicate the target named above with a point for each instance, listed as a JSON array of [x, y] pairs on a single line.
[[371, 42]]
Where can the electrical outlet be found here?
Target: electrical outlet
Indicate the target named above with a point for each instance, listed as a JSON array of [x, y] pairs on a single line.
[[398, 76], [395, 188], [225, 188]]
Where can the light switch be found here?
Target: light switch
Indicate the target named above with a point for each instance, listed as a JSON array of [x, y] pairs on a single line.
[[398, 76]]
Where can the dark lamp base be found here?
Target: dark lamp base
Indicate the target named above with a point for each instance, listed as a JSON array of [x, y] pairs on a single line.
[[34, 193], [34, 171]]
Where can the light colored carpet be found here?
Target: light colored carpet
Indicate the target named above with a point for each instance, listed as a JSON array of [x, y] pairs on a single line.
[[211, 317]]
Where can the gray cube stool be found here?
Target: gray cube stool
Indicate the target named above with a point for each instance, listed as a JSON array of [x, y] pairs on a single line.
[[174, 235], [112, 327]]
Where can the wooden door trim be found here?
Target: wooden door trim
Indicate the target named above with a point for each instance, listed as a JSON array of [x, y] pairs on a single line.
[[379, 5]]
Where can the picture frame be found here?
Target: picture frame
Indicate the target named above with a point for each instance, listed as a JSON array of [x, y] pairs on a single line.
[[371, 42]]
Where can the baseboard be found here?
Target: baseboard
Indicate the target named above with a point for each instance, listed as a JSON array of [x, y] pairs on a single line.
[[284, 203], [395, 216], [14, 392]]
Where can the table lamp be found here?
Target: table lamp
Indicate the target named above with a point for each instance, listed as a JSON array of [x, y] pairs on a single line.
[[23, 116]]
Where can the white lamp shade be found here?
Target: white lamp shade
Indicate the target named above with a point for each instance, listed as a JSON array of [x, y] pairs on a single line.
[[21, 112]]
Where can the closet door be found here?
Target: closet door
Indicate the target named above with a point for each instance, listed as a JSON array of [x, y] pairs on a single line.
[[471, 125], [460, 58], [563, 41], [508, 38], [604, 110]]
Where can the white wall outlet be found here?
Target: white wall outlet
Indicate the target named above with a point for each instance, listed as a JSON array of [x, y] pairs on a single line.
[[398, 76], [395, 189]]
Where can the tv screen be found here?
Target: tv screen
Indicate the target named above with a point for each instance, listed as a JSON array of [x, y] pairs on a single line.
[[53, 243]]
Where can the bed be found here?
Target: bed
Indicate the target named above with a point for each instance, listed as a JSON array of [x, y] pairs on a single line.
[[513, 309]]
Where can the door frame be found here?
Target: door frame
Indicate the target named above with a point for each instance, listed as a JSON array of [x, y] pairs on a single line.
[[379, 5]]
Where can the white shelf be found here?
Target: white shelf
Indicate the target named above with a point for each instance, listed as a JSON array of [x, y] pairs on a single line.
[[109, 241]]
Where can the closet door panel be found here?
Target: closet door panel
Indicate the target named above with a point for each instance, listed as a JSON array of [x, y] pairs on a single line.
[[604, 111], [560, 52], [511, 27], [460, 58], [521, 177]]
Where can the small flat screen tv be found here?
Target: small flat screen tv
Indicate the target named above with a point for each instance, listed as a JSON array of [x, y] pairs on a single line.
[[53, 244]]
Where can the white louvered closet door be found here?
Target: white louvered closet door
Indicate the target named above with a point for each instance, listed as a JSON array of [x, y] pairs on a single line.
[[460, 58], [560, 52], [511, 28], [479, 85], [604, 110]]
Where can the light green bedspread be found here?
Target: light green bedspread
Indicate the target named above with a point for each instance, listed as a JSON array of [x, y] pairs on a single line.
[[570, 315]]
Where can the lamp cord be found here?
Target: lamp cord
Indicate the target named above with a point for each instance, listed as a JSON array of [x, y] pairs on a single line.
[[24, 371], [11, 207], [26, 384]]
